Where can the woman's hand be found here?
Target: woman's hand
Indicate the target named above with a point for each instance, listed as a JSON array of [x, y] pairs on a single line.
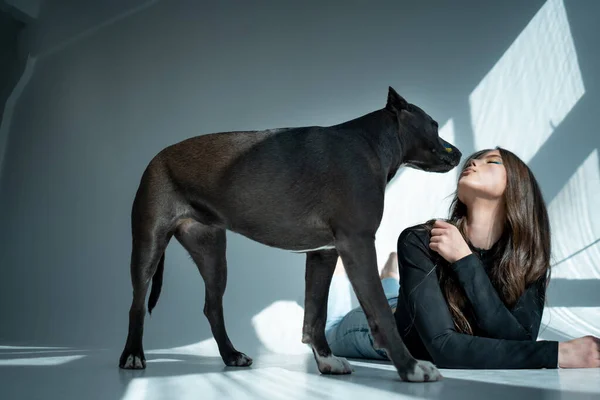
[[447, 241], [579, 353]]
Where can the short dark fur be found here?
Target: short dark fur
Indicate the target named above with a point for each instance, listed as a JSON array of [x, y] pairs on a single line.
[[293, 188]]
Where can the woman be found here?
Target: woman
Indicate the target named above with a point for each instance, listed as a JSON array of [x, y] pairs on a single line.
[[472, 289]]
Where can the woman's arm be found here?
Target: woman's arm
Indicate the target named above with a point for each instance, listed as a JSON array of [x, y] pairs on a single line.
[[428, 311], [493, 317], [522, 322]]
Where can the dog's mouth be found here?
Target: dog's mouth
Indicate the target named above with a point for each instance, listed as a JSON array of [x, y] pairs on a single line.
[[448, 160], [443, 166]]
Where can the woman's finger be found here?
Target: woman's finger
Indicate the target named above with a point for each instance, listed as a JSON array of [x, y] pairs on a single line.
[[436, 239], [437, 231], [442, 224], [438, 223]]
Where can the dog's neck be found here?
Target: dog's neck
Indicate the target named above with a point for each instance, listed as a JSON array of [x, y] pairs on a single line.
[[380, 130]]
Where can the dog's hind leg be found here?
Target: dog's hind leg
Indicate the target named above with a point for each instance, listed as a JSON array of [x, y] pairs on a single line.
[[150, 239], [360, 261], [152, 218], [319, 270], [207, 247]]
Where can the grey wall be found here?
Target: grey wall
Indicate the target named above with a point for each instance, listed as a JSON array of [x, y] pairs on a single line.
[[29, 8], [12, 63], [115, 83]]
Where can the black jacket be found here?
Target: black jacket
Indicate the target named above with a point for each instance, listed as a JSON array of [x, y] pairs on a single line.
[[503, 338]]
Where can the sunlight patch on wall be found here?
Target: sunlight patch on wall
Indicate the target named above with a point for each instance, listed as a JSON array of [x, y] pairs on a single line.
[[531, 89], [572, 322], [575, 223], [583, 264], [279, 328]]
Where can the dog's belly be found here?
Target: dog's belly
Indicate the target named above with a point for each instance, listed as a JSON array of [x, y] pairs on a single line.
[[285, 234], [271, 227], [263, 222], [300, 245]]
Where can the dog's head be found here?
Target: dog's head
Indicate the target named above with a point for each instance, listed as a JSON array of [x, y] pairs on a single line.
[[422, 146]]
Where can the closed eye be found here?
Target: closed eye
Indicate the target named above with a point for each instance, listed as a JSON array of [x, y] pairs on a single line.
[[495, 162]]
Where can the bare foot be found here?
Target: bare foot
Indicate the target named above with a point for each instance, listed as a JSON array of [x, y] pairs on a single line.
[[390, 269]]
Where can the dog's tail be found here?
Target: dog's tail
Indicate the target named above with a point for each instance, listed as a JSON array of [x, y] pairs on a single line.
[[156, 284]]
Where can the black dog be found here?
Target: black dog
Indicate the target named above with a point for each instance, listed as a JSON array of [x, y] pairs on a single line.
[[318, 190]]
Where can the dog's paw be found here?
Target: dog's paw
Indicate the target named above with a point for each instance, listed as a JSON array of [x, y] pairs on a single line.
[[237, 359], [133, 362], [423, 371], [333, 365]]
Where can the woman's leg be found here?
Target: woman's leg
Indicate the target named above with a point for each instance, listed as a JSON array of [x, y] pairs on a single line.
[[391, 287], [350, 336], [390, 276], [339, 302]]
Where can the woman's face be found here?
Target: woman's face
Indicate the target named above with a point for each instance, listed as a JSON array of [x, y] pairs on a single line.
[[484, 178]]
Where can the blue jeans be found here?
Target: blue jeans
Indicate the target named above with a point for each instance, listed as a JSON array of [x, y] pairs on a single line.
[[347, 330]]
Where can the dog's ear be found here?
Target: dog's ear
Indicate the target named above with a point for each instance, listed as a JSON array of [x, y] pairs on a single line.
[[395, 102]]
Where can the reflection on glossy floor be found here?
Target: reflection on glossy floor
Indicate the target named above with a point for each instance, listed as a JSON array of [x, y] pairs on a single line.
[[51, 373]]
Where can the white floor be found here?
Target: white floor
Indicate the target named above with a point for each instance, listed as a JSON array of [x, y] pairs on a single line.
[[38, 373]]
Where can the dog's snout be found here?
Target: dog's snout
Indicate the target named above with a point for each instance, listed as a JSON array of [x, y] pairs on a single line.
[[456, 156], [451, 154]]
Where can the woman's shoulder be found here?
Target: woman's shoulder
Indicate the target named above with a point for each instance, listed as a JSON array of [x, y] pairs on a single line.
[[416, 234], [413, 246]]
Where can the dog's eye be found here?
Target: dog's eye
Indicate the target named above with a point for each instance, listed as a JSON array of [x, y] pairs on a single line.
[[433, 151]]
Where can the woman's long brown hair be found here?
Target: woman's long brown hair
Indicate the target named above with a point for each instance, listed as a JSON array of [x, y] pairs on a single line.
[[522, 254]]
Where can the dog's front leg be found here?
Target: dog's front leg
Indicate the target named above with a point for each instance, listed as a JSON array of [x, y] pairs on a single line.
[[360, 261], [319, 270]]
